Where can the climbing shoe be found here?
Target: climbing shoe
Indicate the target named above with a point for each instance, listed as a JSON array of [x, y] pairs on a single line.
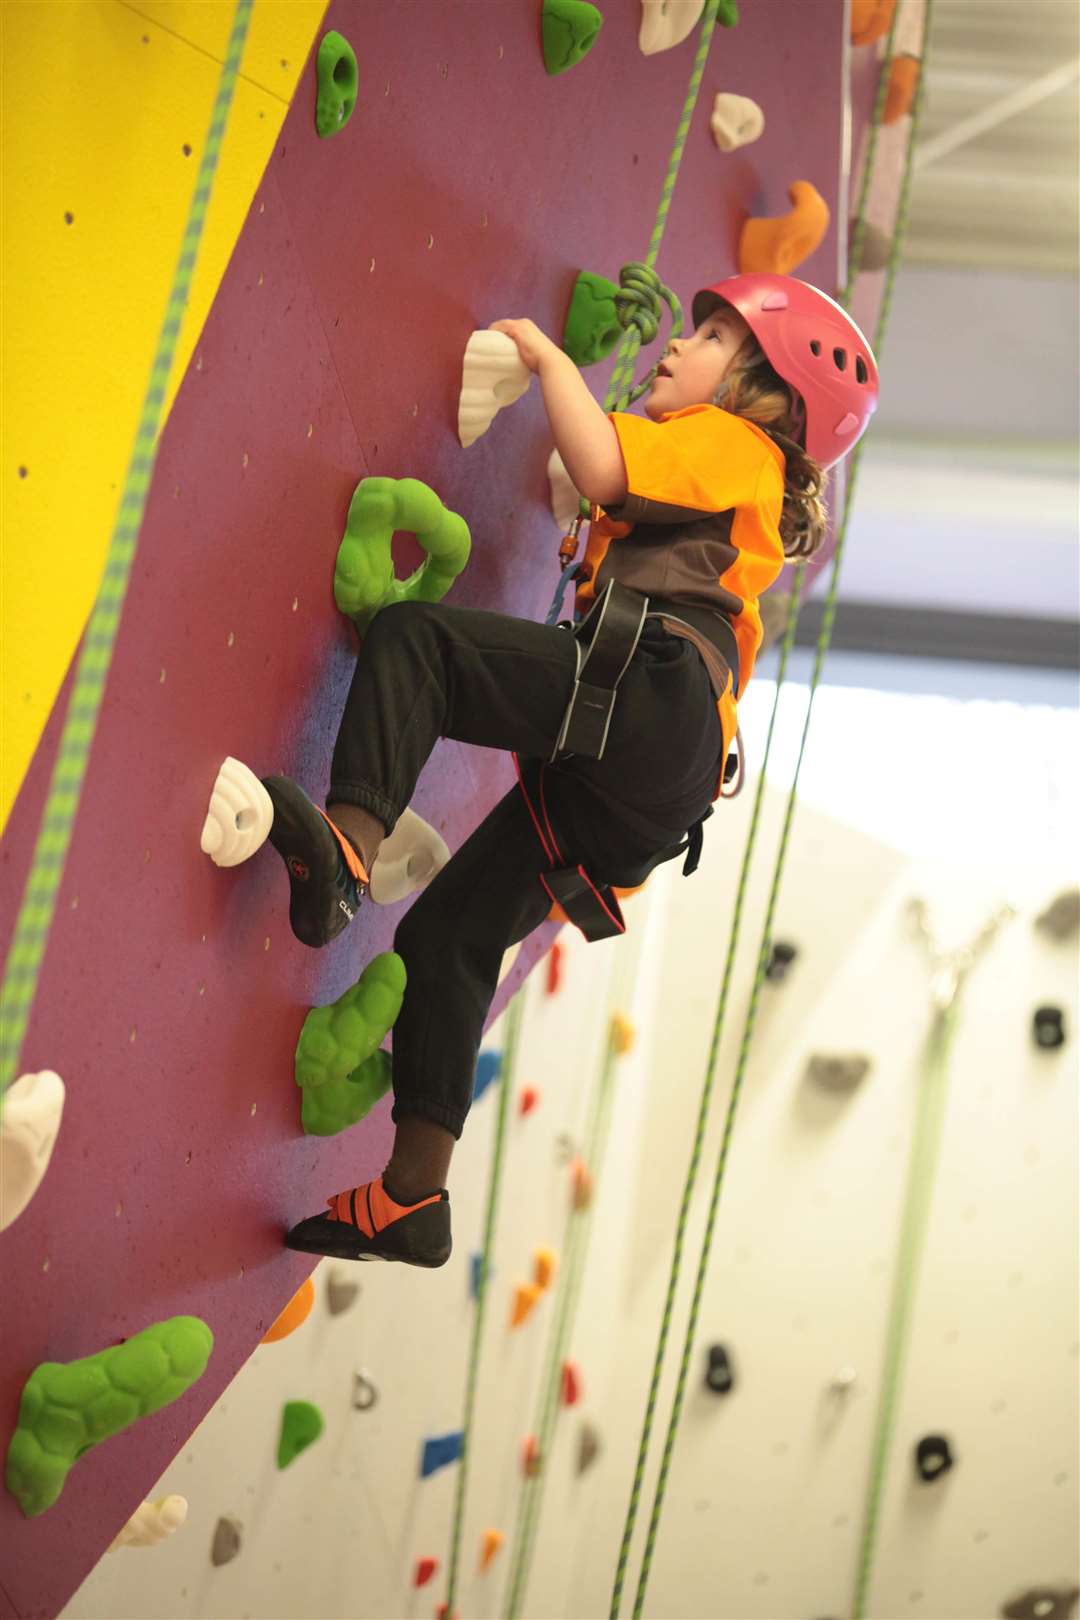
[[366, 1223], [326, 875]]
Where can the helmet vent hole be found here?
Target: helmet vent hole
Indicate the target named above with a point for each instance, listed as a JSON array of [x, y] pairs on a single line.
[[839, 359], [815, 346], [861, 372]]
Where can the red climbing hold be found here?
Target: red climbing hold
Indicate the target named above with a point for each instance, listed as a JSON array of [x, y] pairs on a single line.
[[555, 962], [529, 1099], [571, 1384], [425, 1569]]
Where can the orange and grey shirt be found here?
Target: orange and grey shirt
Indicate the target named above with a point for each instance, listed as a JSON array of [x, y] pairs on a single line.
[[699, 525]]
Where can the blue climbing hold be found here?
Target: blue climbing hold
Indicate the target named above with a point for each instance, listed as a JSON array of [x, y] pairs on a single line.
[[477, 1272], [488, 1065], [442, 1449]]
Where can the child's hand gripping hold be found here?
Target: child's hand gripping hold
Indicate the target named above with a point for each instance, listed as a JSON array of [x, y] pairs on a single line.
[[532, 344]]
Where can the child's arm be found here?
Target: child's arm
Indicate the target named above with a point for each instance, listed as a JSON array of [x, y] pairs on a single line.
[[584, 438]]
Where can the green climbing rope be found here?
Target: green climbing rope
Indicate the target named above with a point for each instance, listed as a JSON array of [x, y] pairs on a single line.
[[35, 918], [763, 954], [505, 1082], [575, 1250]]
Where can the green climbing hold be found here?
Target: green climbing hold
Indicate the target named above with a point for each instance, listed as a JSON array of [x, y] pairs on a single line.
[[67, 1408], [569, 29], [301, 1423], [727, 13], [339, 1067], [593, 327], [338, 82], [364, 578]]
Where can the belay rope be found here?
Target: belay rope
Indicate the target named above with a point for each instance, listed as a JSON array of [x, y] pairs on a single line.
[[763, 953], [35, 918]]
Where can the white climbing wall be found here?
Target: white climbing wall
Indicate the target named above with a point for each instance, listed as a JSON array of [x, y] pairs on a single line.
[[763, 1515]]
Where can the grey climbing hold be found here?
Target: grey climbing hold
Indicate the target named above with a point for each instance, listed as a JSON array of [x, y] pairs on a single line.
[[227, 1536], [1061, 919], [837, 1073], [588, 1447], [341, 1291]]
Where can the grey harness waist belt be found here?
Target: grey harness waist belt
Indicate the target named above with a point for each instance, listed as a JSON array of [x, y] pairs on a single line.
[[609, 635]]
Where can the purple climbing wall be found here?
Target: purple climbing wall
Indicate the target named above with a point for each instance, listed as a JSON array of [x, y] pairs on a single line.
[[468, 186]]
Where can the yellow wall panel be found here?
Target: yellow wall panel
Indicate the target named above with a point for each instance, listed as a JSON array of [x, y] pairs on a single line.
[[99, 100]]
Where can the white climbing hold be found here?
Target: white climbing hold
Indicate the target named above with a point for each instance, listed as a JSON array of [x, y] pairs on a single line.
[[665, 23], [736, 121], [240, 815], [152, 1523], [29, 1123], [407, 860], [493, 375]]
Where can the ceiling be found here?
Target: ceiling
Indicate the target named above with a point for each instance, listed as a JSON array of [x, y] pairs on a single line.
[[1008, 197]]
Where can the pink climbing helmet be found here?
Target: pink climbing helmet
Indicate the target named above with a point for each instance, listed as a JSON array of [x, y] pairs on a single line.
[[815, 346]]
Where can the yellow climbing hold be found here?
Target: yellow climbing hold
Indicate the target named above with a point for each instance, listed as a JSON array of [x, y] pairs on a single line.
[[621, 1034]]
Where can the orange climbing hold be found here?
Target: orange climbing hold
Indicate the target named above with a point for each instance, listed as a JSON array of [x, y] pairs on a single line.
[[903, 83], [571, 1383], [583, 1184], [296, 1311], [530, 1457], [425, 1569], [621, 1034], [870, 19], [493, 1540], [779, 246], [545, 1261], [525, 1298], [529, 1099]]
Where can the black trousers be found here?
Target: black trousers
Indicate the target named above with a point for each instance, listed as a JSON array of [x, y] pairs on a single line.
[[427, 671]]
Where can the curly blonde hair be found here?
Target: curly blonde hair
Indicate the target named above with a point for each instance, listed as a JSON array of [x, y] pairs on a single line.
[[754, 390]]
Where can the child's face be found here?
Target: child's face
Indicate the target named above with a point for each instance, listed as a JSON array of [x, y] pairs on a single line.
[[698, 363]]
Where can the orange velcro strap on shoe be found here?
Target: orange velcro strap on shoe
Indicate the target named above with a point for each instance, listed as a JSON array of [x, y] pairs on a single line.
[[352, 859], [370, 1208]]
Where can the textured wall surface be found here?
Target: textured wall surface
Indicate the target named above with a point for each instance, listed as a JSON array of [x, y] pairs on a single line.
[[469, 186]]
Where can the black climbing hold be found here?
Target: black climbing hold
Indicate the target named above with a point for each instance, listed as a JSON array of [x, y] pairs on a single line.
[[1043, 1603], [780, 959], [718, 1374], [1049, 1028], [932, 1456]]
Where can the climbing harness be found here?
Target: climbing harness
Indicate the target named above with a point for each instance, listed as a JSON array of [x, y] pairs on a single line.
[[610, 633]]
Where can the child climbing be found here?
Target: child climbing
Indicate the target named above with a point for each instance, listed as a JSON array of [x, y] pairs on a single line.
[[700, 505]]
